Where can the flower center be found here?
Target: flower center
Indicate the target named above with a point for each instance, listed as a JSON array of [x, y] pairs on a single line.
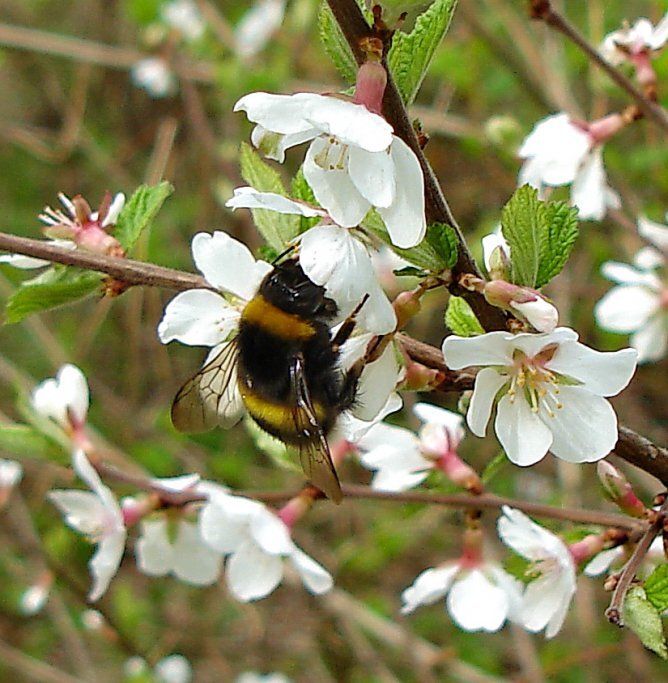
[[333, 156], [533, 381]]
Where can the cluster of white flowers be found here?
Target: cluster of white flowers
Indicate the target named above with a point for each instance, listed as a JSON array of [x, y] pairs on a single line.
[[639, 303], [254, 539]]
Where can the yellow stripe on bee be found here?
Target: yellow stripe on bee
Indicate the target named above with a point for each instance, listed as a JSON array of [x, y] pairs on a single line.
[[260, 312], [278, 416]]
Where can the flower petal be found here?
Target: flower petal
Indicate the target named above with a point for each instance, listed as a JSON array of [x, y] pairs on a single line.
[[651, 341], [193, 561], [626, 308], [524, 437], [488, 382], [428, 587], [153, 550], [105, 563], [590, 186], [602, 373], [198, 317], [332, 185], [315, 577], [228, 264], [250, 198], [373, 174], [251, 573], [405, 218], [279, 113], [477, 604], [584, 428], [493, 348]]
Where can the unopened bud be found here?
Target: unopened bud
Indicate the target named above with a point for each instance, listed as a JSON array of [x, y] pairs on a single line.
[[525, 303], [618, 490], [296, 508], [406, 305], [418, 377], [371, 77], [586, 548]]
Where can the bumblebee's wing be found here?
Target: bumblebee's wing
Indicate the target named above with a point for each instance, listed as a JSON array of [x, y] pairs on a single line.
[[211, 397], [314, 455]]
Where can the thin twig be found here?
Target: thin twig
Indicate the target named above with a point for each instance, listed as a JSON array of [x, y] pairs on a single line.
[[614, 611], [542, 10], [354, 27]]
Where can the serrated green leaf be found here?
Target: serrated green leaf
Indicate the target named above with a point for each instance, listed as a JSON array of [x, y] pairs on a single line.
[[302, 191], [557, 241], [139, 212], [523, 224], [24, 440], [411, 54], [444, 241], [55, 287], [276, 228], [335, 44], [656, 588], [644, 620], [424, 255], [460, 318]]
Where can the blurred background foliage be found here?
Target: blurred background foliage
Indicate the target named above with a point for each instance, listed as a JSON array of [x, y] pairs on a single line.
[[71, 120]]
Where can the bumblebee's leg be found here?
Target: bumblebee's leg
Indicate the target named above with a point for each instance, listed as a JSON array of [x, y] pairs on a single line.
[[347, 326]]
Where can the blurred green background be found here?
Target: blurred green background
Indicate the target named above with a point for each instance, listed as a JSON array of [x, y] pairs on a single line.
[[71, 120]]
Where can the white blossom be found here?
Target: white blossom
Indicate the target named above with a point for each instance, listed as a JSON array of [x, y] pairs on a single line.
[[11, 472], [258, 544], [637, 305], [332, 257], [154, 75], [173, 669], [546, 599], [64, 398], [354, 161], [480, 596], [631, 41], [185, 17], [401, 459], [257, 26], [550, 391], [254, 677], [559, 151], [97, 515]]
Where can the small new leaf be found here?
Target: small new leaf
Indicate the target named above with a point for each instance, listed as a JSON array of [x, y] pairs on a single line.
[[277, 229], [656, 588], [444, 241], [640, 615], [57, 286], [460, 318], [139, 212], [411, 53], [335, 44], [524, 224], [557, 240]]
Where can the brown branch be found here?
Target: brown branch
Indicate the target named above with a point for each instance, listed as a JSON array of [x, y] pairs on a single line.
[[630, 446], [542, 10], [351, 20], [126, 270]]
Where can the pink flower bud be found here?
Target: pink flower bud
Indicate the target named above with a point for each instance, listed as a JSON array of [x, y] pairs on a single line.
[[618, 490], [371, 78], [527, 304], [586, 548]]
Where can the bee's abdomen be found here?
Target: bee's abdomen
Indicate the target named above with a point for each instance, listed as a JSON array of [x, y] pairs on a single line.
[[262, 314]]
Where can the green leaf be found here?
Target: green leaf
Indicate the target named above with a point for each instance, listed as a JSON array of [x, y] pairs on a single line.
[[276, 228], [656, 588], [335, 44], [23, 440], [57, 286], [139, 212], [302, 191], [444, 241], [640, 615], [524, 224], [281, 455], [557, 240], [461, 319], [425, 255], [411, 54]]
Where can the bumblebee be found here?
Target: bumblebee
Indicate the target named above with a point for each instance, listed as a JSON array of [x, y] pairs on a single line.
[[282, 369]]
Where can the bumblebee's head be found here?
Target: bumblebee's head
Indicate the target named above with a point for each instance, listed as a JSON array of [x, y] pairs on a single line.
[[288, 288]]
